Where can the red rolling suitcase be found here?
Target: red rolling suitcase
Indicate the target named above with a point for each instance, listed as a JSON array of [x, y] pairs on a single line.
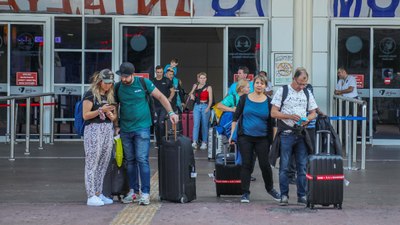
[[324, 176], [187, 124]]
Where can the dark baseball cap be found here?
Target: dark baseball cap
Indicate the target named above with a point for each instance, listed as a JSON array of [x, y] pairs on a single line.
[[107, 76], [126, 69]]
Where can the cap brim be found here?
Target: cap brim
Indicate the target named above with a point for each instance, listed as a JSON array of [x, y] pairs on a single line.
[[121, 74], [108, 81]]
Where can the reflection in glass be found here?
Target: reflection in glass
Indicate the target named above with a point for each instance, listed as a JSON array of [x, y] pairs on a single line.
[[138, 48], [353, 53], [3, 54], [68, 32], [244, 50], [96, 61], [26, 51], [386, 82], [98, 33], [65, 110], [67, 67]]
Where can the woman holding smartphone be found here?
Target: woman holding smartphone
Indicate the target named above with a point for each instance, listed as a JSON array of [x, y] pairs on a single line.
[[99, 114]]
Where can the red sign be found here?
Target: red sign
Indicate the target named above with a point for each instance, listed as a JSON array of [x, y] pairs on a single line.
[[359, 80], [144, 75], [387, 80], [250, 77], [27, 79]]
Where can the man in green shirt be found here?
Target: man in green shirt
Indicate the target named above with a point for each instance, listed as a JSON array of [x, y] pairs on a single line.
[[135, 121]]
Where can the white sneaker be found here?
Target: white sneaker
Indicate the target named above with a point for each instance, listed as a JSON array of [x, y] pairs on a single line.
[[144, 199], [130, 197], [194, 145], [94, 201], [203, 146], [106, 200]]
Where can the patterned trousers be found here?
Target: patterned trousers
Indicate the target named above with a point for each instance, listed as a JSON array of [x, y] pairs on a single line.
[[98, 143]]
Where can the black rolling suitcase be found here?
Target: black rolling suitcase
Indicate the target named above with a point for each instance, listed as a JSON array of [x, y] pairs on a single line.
[[115, 181], [177, 171], [324, 176], [227, 173]]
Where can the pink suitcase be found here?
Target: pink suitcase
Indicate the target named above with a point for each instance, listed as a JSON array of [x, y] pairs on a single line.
[[187, 124]]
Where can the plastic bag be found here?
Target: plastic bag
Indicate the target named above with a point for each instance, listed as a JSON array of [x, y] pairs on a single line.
[[119, 152]]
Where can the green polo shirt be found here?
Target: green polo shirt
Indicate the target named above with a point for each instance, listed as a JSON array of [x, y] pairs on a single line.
[[134, 108]]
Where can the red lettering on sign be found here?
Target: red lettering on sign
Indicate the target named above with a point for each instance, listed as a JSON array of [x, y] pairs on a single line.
[[144, 9], [66, 8], [119, 6], [180, 9], [89, 5], [33, 5], [12, 4]]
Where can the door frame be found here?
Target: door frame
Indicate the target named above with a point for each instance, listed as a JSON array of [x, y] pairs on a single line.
[[225, 23], [371, 23], [11, 19]]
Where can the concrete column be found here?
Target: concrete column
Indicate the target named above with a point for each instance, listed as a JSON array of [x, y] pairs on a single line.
[[302, 34]]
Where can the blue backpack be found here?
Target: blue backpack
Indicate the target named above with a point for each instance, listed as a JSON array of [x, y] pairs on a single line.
[[79, 123]]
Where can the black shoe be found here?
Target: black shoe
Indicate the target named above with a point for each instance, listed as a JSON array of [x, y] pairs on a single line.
[[284, 200], [253, 179], [275, 195], [245, 198], [302, 200]]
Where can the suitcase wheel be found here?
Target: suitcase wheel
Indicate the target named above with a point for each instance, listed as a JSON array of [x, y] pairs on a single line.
[[339, 206], [311, 206], [183, 199]]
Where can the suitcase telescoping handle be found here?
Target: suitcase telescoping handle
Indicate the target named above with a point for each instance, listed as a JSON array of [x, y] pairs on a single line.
[[230, 148], [328, 136], [166, 129]]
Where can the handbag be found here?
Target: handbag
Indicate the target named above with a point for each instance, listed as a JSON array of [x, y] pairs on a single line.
[[189, 104], [119, 152]]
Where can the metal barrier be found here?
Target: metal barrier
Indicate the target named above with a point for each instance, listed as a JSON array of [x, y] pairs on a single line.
[[351, 132], [11, 103]]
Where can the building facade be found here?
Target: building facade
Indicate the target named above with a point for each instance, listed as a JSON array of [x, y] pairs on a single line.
[[56, 45]]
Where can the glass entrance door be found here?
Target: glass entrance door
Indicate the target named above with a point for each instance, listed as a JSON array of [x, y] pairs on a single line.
[[3, 76], [386, 83], [378, 75], [22, 65]]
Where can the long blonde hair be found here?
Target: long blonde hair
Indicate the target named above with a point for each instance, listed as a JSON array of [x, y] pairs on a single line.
[[241, 85], [96, 86]]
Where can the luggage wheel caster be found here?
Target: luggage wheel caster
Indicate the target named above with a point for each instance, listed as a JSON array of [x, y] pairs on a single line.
[[218, 195], [183, 199], [339, 206], [311, 206]]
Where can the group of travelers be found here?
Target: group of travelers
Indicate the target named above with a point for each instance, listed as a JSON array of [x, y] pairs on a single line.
[[101, 106], [123, 108]]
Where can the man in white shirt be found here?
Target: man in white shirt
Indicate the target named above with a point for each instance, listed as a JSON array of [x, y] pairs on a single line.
[[346, 85], [291, 130]]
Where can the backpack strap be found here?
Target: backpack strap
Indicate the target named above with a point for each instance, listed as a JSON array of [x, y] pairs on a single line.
[[284, 94], [305, 90], [116, 89], [142, 82]]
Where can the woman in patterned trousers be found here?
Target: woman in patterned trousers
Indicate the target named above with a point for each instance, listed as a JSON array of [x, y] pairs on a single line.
[[99, 114]]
